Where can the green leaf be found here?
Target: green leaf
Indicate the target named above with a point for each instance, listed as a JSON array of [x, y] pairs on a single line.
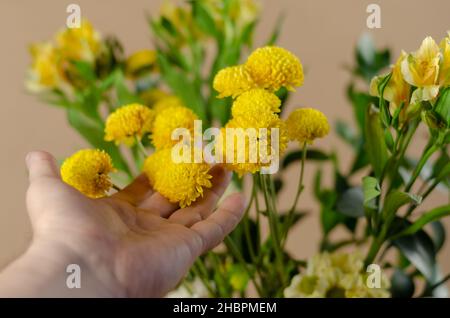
[[351, 203], [93, 132], [395, 200], [426, 218], [181, 86], [375, 143], [345, 131], [442, 106], [361, 101], [419, 250], [124, 95], [383, 106], [437, 235], [402, 285], [203, 18], [371, 189], [296, 155], [370, 61], [85, 70], [247, 34]]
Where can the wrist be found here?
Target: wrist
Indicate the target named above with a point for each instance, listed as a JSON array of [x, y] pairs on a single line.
[[51, 269]]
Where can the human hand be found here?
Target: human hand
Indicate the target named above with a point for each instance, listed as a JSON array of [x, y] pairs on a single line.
[[133, 243]]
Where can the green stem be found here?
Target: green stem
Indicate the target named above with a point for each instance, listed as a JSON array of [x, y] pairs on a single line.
[[237, 254], [403, 146], [274, 229], [198, 269], [248, 237], [423, 160], [291, 212], [141, 147]]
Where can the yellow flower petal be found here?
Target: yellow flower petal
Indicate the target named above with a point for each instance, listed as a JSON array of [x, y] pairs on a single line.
[[87, 171]]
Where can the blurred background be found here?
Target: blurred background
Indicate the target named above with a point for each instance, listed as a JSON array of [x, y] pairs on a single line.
[[322, 33]]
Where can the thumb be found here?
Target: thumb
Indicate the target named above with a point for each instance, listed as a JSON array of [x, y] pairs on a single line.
[[41, 164]]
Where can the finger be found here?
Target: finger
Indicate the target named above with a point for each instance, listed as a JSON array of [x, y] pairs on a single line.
[[135, 192], [215, 228], [157, 203], [202, 208], [41, 164]]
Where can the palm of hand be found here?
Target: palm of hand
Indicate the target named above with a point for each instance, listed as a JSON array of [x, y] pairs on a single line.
[[135, 242]]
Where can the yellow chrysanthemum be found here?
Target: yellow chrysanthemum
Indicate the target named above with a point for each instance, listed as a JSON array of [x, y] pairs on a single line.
[[256, 106], [337, 275], [421, 69], [169, 119], [87, 171], [246, 149], [272, 67], [127, 123], [181, 183], [83, 43], [166, 102], [307, 124], [140, 62], [232, 81]]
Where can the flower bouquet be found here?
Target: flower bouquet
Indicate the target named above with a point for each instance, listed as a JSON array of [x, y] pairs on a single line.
[[204, 96]]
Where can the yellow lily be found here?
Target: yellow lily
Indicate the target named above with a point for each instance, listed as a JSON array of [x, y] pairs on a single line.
[[397, 91], [44, 72], [421, 69], [81, 43], [444, 68]]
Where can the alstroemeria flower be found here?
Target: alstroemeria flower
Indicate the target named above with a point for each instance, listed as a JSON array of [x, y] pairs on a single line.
[[421, 69], [444, 68], [397, 91]]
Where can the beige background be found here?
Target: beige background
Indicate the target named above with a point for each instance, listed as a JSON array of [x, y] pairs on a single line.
[[322, 33]]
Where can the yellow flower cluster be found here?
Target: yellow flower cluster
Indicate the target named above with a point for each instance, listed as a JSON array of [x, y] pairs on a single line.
[[181, 183], [256, 106], [306, 124], [269, 67], [51, 65], [426, 70], [128, 122], [337, 275], [87, 171]]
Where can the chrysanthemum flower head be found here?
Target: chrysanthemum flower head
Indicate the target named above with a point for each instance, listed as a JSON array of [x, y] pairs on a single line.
[[232, 81], [166, 102], [87, 171], [169, 119], [140, 62], [307, 124], [272, 67], [335, 275], [128, 122], [257, 107], [245, 149], [181, 183]]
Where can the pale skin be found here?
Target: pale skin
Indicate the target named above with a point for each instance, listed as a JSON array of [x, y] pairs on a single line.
[[133, 243]]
